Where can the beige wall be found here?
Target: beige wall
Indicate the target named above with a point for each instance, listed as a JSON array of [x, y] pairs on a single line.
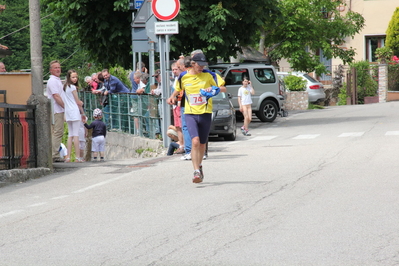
[[377, 14], [17, 85]]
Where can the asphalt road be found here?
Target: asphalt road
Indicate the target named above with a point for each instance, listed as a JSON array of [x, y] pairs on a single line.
[[319, 187]]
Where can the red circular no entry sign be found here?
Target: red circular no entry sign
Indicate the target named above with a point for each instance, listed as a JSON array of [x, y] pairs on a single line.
[[165, 9]]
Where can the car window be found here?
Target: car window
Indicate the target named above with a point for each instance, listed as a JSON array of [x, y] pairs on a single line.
[[310, 78], [235, 76], [218, 70], [221, 95], [265, 75]]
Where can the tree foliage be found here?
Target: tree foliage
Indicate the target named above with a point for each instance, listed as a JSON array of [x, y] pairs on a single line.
[[16, 19], [392, 38], [288, 28], [303, 28]]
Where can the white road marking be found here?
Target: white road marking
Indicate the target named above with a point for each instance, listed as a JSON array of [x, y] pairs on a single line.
[[264, 138], [60, 197], [101, 183], [310, 136], [392, 133], [351, 134], [37, 204], [10, 213]]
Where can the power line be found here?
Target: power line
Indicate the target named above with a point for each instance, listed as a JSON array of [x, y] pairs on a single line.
[[23, 27]]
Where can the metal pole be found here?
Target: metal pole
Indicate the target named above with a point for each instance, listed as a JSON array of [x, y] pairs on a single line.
[[166, 91], [134, 54]]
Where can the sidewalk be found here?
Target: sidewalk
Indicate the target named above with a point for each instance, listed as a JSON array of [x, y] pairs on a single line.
[[121, 147]]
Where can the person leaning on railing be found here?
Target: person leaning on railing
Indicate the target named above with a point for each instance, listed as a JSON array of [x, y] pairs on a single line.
[[113, 85]]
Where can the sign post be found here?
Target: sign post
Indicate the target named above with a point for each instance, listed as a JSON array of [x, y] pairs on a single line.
[[165, 10]]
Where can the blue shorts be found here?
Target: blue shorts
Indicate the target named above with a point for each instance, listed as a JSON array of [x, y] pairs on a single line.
[[199, 126]]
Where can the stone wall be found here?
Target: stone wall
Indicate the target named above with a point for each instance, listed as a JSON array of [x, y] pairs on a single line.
[[126, 146], [297, 100]]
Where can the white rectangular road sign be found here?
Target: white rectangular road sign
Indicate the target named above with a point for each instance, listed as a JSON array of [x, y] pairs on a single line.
[[167, 27]]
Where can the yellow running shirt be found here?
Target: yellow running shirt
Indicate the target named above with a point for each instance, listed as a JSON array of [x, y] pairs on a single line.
[[195, 102]]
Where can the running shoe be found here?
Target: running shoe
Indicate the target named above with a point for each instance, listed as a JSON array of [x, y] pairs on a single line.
[[197, 177], [202, 173], [247, 133], [186, 157], [205, 157]]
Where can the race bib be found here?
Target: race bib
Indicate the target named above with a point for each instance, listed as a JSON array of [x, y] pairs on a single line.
[[197, 99]]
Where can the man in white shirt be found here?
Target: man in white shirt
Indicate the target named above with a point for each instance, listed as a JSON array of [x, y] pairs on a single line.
[[54, 92]]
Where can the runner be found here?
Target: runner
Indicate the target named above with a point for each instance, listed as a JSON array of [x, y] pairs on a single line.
[[198, 109]]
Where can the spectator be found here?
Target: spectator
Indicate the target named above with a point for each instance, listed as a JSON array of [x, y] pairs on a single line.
[[119, 105], [94, 83], [98, 135], [54, 92], [176, 110], [184, 65], [2, 67], [174, 145], [156, 89], [73, 113], [88, 82], [245, 101], [141, 67]]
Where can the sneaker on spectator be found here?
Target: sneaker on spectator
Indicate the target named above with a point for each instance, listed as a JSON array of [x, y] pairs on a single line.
[[186, 157], [205, 156], [179, 151], [243, 130]]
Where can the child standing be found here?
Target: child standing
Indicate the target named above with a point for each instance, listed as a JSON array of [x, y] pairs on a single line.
[[98, 136], [73, 113], [245, 101]]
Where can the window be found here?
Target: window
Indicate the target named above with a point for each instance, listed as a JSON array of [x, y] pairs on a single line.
[[265, 75], [372, 43], [235, 76]]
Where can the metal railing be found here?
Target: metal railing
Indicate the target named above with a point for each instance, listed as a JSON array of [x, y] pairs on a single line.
[[17, 136], [127, 112]]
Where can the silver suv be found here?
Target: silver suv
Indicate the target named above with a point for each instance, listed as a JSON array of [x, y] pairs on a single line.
[[268, 100]]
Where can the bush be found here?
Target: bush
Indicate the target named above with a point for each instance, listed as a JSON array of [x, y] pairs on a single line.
[[366, 85], [295, 83], [342, 95]]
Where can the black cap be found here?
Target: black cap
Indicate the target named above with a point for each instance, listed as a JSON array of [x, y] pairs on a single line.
[[200, 59]]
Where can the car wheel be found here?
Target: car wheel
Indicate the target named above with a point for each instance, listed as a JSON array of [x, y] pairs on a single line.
[[267, 111], [231, 137]]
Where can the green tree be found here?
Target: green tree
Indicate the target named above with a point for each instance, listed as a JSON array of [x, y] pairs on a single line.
[[103, 27], [303, 28], [15, 17], [15, 34], [392, 38], [289, 28]]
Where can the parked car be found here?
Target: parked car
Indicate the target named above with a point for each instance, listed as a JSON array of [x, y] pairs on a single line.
[[268, 100], [223, 117], [314, 88]]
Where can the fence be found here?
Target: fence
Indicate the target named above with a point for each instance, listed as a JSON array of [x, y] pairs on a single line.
[[17, 136], [127, 112]]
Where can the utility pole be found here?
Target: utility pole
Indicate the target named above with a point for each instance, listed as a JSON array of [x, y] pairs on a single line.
[[42, 103]]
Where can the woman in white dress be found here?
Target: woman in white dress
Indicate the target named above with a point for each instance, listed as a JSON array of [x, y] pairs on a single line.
[[73, 113]]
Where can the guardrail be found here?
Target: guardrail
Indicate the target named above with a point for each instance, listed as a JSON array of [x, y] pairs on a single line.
[[127, 112], [18, 138]]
